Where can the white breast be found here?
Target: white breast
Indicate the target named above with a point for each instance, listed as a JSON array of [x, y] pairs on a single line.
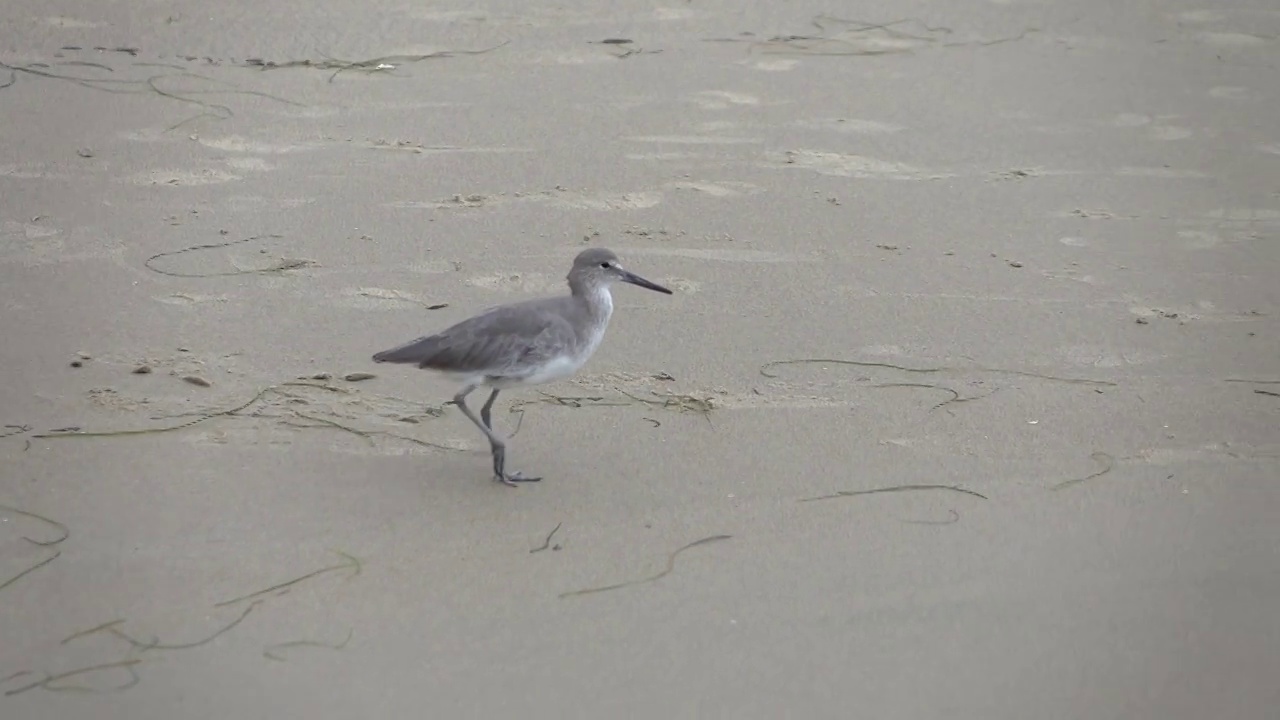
[[566, 365]]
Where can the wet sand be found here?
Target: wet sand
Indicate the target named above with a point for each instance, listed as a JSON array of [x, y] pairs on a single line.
[[971, 380]]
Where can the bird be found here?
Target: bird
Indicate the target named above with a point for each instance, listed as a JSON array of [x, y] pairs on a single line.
[[524, 343]]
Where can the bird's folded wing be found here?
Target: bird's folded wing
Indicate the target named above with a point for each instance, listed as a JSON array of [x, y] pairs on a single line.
[[496, 342]]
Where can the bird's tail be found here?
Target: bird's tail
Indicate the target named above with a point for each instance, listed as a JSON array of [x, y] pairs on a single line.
[[390, 356]]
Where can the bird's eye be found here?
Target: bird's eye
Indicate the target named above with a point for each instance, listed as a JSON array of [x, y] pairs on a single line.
[[604, 265]]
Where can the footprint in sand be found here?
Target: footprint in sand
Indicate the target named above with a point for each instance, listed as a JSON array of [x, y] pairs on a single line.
[[1169, 133], [1232, 39], [25, 240], [182, 178], [1160, 172], [693, 140], [727, 188], [1130, 120], [518, 282], [724, 99], [1105, 357], [1233, 92], [733, 255], [1199, 239], [189, 300], [33, 171], [774, 64], [373, 298], [603, 201], [666, 156], [853, 166], [41, 243], [66, 22], [1198, 17], [240, 144], [244, 203], [563, 198], [852, 126], [1156, 128], [249, 164]]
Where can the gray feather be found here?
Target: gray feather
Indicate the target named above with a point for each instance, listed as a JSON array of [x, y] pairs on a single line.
[[498, 342]]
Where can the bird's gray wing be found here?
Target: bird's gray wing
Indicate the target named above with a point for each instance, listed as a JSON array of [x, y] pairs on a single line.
[[497, 342]]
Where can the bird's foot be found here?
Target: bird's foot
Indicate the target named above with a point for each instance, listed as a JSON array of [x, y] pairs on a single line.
[[514, 479], [500, 469]]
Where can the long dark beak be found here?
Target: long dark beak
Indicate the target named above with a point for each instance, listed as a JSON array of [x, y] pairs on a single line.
[[630, 277]]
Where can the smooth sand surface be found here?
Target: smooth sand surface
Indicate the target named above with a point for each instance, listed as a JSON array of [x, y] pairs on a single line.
[[1035, 244]]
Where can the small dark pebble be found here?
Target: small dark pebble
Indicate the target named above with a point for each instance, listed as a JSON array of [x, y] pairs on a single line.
[[77, 363], [615, 41], [358, 376], [322, 376], [197, 381], [142, 370], [1141, 321]]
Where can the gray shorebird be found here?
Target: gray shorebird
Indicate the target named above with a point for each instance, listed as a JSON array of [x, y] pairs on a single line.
[[524, 343]]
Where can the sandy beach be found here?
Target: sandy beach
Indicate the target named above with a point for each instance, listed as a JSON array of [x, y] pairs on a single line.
[[966, 405]]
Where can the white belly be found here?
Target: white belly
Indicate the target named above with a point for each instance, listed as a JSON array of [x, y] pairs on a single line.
[[558, 368]]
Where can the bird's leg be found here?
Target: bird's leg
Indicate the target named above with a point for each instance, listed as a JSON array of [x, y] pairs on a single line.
[[496, 445], [488, 405], [499, 467]]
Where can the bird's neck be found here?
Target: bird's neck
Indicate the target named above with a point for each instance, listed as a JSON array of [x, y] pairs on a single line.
[[598, 301]]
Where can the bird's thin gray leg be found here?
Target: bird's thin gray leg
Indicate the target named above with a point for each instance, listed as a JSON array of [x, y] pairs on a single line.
[[496, 444], [488, 405]]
